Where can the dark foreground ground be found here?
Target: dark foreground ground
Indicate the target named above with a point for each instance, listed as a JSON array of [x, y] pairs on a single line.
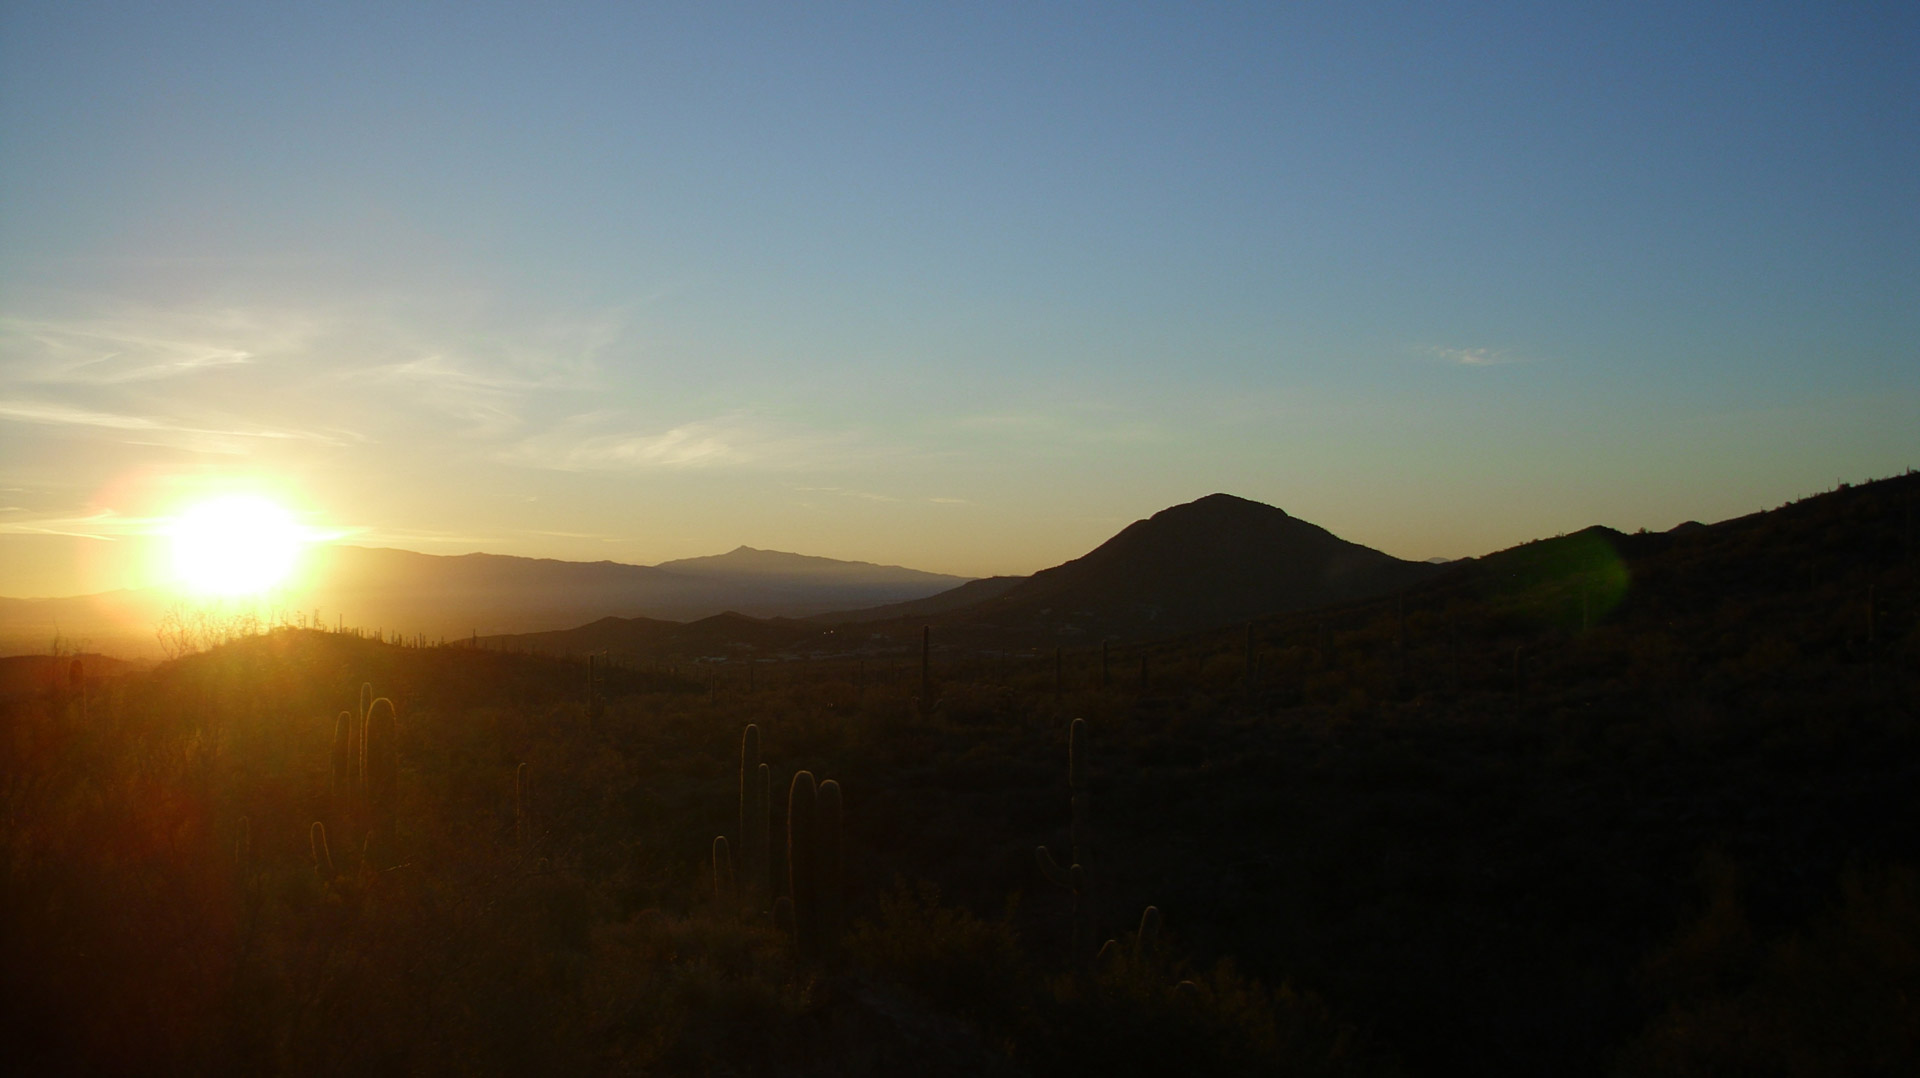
[[1604, 804]]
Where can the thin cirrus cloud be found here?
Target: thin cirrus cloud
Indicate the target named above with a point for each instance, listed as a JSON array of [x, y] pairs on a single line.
[[103, 524], [185, 377], [739, 440], [146, 378], [488, 400], [200, 436], [143, 346], [1480, 357]]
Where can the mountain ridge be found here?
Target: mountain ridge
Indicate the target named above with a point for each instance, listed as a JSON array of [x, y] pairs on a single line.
[[481, 593], [1214, 561]]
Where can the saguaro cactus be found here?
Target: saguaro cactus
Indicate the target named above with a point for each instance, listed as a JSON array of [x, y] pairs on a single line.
[[382, 774], [322, 857], [1147, 940], [1072, 875], [830, 874], [755, 810], [723, 890], [803, 863], [345, 765]]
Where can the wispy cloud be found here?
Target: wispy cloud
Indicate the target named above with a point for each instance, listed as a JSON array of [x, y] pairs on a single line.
[[488, 399], [103, 524], [220, 379], [1479, 357], [52, 414], [738, 439], [64, 415], [443, 371], [143, 345]]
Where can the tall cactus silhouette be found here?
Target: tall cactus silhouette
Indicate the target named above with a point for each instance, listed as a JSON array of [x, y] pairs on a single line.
[[1072, 875], [322, 857], [803, 863], [755, 811], [381, 777], [1146, 943], [816, 864], [346, 766], [723, 888], [830, 882]]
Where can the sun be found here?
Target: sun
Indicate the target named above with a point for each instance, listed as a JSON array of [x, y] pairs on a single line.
[[237, 545]]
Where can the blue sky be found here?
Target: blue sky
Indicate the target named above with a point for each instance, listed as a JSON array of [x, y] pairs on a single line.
[[966, 289]]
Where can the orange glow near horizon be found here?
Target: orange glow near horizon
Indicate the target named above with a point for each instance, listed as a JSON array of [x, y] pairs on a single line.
[[235, 545]]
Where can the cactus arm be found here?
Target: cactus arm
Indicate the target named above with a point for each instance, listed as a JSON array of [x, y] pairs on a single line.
[[1050, 868], [722, 870], [830, 873]]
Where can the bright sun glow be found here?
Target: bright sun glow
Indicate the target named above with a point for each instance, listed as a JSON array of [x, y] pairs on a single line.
[[236, 545]]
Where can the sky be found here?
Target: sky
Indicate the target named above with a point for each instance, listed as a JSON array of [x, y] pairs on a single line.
[[965, 288]]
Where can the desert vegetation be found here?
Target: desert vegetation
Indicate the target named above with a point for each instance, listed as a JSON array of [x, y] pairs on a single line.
[[1601, 804]]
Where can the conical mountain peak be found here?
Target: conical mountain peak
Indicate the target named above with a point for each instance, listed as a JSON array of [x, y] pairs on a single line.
[[1210, 561]]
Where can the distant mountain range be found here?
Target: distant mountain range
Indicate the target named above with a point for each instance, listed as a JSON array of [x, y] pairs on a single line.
[[488, 594], [1215, 561], [1210, 562], [492, 592]]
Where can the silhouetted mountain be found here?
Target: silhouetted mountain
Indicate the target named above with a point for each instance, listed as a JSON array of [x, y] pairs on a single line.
[[401, 591], [1210, 562], [780, 569], [1214, 561]]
